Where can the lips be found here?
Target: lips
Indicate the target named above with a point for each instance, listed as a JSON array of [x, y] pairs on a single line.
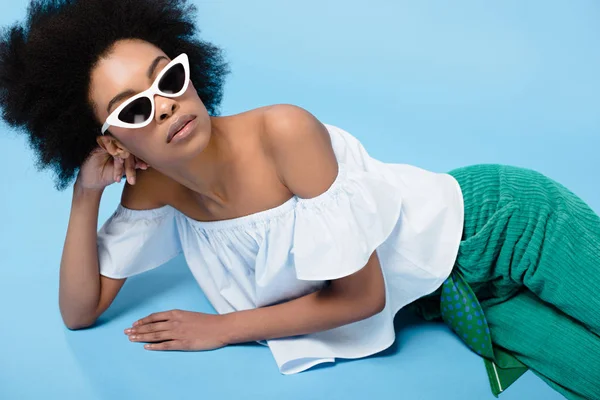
[[178, 124]]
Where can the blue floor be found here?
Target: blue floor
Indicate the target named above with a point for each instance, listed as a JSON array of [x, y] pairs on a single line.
[[423, 83]]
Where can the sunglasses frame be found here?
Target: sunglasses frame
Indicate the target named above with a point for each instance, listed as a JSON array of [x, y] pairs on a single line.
[[113, 118]]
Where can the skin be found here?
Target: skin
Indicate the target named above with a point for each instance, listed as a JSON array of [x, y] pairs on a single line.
[[229, 167]]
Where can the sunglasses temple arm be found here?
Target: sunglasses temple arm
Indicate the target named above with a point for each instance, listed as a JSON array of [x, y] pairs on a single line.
[[105, 127]]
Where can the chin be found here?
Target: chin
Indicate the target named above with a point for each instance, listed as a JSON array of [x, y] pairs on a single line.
[[194, 145]]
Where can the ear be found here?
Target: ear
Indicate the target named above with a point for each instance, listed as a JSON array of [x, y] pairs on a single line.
[[112, 146]]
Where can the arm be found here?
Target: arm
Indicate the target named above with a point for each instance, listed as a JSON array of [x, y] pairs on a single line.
[[346, 300], [83, 293], [300, 147]]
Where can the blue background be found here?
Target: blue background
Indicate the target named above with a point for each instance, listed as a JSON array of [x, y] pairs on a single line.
[[428, 83]]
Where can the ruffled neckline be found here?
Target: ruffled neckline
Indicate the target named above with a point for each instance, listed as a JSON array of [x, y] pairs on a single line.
[[268, 215], [243, 222]]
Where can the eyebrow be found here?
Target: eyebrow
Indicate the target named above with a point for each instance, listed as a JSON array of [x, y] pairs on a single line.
[[130, 92]]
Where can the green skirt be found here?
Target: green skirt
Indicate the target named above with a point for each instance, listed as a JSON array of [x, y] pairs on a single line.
[[530, 251]]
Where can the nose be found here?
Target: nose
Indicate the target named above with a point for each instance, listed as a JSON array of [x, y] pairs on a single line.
[[165, 107]]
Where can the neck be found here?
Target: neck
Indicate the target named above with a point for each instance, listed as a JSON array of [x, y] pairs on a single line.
[[202, 174]]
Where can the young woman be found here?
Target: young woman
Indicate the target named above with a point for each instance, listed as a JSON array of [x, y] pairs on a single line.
[[298, 237]]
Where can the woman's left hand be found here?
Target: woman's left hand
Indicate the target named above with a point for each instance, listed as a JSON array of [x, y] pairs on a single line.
[[179, 330]]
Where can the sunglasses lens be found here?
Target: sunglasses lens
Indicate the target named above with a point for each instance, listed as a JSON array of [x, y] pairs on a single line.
[[139, 110], [136, 112], [173, 80]]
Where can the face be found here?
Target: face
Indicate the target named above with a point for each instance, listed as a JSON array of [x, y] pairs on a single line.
[[126, 68]]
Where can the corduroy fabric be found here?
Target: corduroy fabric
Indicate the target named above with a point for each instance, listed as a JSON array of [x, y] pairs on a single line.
[[530, 251]]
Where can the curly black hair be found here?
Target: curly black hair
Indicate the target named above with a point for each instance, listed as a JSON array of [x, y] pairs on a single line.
[[45, 66]]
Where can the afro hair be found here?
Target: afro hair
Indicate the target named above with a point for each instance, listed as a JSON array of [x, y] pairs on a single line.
[[46, 61]]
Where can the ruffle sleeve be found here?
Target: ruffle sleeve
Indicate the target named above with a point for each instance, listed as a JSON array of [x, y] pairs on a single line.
[[134, 241], [336, 232]]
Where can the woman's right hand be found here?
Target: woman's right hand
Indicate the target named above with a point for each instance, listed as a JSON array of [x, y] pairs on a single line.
[[102, 169]]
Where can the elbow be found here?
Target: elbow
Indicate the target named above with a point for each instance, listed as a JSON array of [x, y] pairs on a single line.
[[376, 298], [77, 317], [373, 304], [74, 323], [378, 303], [77, 324]]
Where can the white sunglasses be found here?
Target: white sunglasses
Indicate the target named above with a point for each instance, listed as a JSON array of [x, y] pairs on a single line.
[[138, 111]]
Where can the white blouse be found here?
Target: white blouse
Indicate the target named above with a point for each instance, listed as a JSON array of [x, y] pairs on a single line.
[[412, 217]]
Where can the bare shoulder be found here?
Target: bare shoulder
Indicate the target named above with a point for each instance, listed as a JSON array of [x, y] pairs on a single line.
[[300, 147], [152, 189], [288, 121]]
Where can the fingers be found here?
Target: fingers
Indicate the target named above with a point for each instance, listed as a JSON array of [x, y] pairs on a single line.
[[130, 169], [140, 164], [127, 168], [118, 168], [152, 336], [168, 345], [156, 317], [152, 327]]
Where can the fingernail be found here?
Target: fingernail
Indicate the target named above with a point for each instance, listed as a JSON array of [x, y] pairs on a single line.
[[127, 330]]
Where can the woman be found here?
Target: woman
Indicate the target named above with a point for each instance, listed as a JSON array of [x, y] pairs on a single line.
[[298, 237]]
